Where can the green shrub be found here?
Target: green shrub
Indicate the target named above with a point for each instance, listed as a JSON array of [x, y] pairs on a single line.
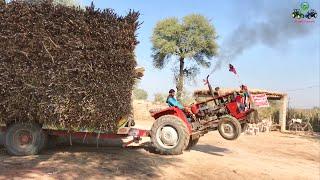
[[160, 98], [140, 94]]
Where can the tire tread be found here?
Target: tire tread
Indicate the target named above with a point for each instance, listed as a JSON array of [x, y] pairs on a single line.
[[185, 136], [235, 122]]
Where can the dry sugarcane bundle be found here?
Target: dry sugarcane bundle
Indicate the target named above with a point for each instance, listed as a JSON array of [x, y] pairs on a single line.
[[2, 2], [65, 66]]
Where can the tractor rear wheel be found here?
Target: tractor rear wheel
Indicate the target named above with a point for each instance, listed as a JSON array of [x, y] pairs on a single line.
[[169, 135], [22, 139], [229, 127]]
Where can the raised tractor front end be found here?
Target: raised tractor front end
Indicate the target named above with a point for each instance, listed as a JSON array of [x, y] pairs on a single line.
[[176, 130]]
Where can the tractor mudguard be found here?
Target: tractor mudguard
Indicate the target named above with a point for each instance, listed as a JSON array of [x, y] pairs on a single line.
[[234, 111], [173, 111]]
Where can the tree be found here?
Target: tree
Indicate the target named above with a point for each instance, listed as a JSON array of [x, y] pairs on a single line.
[[192, 42], [187, 98], [140, 94], [137, 92], [161, 98]]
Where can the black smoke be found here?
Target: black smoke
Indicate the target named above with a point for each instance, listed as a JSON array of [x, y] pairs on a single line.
[[275, 28]]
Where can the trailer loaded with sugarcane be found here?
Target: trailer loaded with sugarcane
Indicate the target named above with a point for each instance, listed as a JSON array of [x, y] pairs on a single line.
[[69, 72]]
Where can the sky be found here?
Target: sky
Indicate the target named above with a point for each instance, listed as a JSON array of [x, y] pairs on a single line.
[[284, 56]]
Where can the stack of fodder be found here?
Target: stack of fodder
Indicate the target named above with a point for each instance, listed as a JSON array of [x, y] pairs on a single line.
[[65, 66], [2, 2]]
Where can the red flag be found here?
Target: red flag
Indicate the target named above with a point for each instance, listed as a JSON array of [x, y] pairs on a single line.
[[232, 69]]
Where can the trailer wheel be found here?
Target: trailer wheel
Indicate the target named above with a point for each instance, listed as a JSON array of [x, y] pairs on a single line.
[[192, 142], [169, 135], [22, 139], [229, 127]]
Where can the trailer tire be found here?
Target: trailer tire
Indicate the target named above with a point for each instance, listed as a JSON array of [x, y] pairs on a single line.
[[23, 139], [231, 123], [166, 129], [192, 142]]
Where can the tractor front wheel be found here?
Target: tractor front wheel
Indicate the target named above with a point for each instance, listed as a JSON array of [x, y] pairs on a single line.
[[169, 135], [229, 127]]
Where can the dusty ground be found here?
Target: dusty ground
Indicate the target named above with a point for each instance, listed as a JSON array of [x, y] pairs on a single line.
[[265, 156]]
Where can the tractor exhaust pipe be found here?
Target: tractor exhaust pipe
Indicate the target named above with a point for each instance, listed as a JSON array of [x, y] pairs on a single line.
[[207, 82]]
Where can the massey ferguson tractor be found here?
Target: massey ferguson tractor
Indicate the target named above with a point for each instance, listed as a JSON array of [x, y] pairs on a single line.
[[176, 130], [172, 132]]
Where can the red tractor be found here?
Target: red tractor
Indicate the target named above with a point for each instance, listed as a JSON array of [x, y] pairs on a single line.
[[176, 130], [173, 131]]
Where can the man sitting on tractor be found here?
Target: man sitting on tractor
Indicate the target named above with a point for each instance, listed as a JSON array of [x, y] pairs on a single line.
[[240, 101], [243, 98], [216, 94], [172, 101]]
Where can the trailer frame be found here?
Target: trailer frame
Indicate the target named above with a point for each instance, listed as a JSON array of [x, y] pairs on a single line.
[[123, 132]]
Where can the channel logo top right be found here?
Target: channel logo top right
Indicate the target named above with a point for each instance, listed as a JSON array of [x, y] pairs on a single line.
[[304, 14]]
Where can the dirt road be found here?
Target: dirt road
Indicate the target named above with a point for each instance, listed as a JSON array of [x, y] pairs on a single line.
[[265, 156]]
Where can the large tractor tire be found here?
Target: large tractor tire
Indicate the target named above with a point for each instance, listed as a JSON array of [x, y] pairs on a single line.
[[192, 142], [23, 139], [229, 127], [169, 135]]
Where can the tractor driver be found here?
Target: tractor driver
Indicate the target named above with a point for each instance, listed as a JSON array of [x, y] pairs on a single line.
[[172, 101]]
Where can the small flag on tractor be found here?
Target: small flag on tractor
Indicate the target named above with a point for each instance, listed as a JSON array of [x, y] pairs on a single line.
[[232, 69]]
